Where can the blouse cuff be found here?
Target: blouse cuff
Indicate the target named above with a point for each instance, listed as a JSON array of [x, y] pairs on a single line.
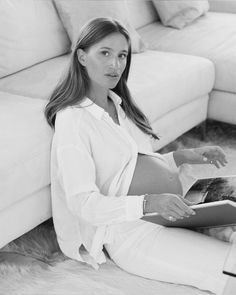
[[171, 161], [134, 207]]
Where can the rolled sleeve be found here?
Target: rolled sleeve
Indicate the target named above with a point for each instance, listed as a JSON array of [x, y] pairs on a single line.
[[134, 207]]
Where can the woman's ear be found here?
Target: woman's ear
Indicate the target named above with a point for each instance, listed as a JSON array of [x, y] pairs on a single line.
[[81, 56]]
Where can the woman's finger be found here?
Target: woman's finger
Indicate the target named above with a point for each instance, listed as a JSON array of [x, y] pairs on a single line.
[[220, 155], [171, 210], [215, 163], [183, 206], [222, 163], [174, 214], [181, 213], [168, 217], [171, 216], [218, 163], [214, 153]]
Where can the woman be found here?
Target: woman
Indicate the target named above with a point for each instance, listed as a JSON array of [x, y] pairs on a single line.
[[105, 177]]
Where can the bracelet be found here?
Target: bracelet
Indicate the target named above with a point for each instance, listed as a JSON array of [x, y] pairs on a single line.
[[144, 204]]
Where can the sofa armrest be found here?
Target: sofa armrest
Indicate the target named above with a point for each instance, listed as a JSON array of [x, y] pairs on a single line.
[[228, 6]]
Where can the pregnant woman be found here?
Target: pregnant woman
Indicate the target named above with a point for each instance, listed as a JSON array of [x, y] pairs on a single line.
[[105, 177]]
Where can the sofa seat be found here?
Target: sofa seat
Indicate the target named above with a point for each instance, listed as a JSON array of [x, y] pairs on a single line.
[[212, 36], [25, 148], [159, 79]]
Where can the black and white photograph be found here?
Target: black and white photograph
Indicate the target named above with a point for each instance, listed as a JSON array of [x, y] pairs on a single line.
[[117, 147]]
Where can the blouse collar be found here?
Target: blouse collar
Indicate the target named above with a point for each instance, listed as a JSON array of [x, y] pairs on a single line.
[[96, 110]]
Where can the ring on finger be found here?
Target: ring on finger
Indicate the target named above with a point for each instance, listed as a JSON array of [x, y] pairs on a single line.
[[171, 218]]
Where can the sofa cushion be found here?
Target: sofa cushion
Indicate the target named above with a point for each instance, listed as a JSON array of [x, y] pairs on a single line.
[[25, 148], [37, 81], [162, 82], [31, 32], [212, 36], [141, 13], [75, 14], [180, 13]]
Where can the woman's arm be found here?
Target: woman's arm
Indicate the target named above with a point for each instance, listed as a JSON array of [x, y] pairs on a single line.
[[203, 155]]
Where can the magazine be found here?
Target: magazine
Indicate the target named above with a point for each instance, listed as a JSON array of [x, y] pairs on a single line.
[[213, 200]]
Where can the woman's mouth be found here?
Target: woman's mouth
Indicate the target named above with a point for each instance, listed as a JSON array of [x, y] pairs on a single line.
[[113, 75]]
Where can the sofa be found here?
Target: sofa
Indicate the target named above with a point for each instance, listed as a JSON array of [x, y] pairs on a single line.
[[178, 77]]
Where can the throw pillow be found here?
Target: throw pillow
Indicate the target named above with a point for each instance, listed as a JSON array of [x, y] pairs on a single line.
[[179, 13], [74, 14], [31, 32]]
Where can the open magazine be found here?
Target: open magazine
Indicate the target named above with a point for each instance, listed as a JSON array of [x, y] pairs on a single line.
[[213, 200]]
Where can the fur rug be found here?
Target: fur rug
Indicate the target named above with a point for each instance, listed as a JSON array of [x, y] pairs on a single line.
[[34, 265]]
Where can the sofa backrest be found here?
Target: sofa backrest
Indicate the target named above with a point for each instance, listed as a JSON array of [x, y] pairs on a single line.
[[228, 6], [30, 32], [141, 13], [75, 13]]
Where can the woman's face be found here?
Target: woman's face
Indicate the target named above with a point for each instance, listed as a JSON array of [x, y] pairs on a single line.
[[105, 61]]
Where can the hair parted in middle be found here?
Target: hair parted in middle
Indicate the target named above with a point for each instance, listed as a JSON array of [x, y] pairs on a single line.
[[74, 86]]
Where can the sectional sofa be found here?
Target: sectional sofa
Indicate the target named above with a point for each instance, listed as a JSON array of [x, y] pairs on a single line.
[[179, 77]]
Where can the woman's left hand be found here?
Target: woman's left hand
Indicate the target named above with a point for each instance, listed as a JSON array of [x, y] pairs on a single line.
[[204, 155]]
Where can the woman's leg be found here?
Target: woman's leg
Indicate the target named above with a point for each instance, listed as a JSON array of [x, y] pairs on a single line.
[[171, 254]]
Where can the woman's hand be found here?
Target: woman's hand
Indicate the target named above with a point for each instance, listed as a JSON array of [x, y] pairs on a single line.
[[203, 155], [169, 206]]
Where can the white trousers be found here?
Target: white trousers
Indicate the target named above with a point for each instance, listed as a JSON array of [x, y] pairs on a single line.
[[172, 255]]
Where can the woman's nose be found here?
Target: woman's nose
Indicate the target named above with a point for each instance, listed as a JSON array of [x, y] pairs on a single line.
[[115, 63]]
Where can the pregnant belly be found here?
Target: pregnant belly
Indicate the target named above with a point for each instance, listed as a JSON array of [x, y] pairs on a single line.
[[153, 176]]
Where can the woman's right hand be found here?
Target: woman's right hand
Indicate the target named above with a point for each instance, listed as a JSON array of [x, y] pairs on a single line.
[[169, 206]]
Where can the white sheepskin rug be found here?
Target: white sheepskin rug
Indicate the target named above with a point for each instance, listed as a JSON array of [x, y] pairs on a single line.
[[70, 277], [34, 265]]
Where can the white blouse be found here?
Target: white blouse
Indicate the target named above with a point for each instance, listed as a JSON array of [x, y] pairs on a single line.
[[92, 164]]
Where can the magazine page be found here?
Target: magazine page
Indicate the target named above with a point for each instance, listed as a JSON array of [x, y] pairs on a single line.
[[212, 189]]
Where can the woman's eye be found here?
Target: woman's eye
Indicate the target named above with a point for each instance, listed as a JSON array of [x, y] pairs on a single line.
[[105, 53], [123, 56]]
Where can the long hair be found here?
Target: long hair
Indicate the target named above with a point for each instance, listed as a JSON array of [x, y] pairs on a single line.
[[75, 85]]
